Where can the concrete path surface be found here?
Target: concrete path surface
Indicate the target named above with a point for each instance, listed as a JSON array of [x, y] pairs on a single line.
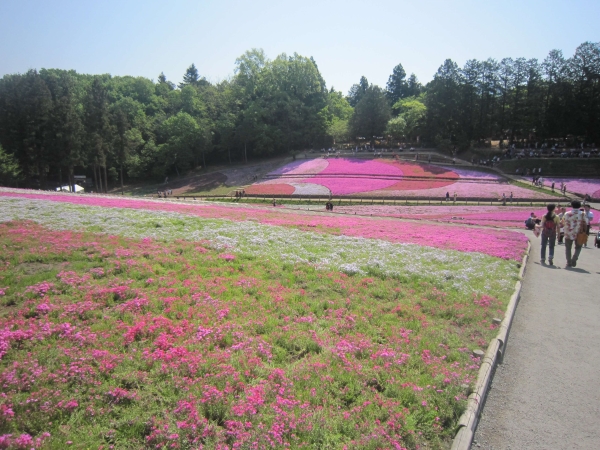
[[546, 394]]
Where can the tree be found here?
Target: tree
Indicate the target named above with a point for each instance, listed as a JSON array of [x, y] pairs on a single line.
[[192, 78], [338, 106], [126, 114], [9, 168], [505, 75], [357, 91], [191, 102], [412, 112], [413, 87], [339, 130], [186, 142], [442, 99], [98, 130], [64, 132], [286, 106], [164, 83], [585, 69], [396, 128], [25, 108], [488, 90], [397, 87], [558, 93], [249, 66], [339, 112], [371, 114]]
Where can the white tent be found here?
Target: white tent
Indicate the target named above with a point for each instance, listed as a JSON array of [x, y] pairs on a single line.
[[66, 188]]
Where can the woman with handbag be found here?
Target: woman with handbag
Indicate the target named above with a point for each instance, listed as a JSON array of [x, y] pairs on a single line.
[[575, 223]]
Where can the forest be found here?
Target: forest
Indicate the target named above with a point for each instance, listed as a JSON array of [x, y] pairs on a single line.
[[55, 124]]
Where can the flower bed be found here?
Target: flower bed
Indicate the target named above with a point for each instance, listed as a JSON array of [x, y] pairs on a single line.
[[469, 190], [580, 186], [477, 175], [373, 175], [302, 167], [493, 216], [499, 244], [232, 340], [344, 176]]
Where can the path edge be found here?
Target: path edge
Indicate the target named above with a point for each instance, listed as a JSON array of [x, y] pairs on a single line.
[[493, 356]]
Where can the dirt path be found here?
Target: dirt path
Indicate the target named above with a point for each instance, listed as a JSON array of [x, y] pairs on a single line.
[[546, 394]]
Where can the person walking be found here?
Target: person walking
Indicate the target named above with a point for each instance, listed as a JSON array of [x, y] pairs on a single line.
[[511, 196], [574, 222], [550, 224], [590, 218], [561, 234]]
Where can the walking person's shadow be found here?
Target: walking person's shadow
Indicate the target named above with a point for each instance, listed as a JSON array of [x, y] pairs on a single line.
[[577, 269], [556, 267]]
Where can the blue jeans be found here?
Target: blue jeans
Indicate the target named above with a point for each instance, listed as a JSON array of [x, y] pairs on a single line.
[[548, 240]]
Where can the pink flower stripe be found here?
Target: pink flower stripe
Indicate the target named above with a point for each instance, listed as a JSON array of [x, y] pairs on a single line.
[[501, 244], [468, 189], [579, 186], [489, 216], [493, 216]]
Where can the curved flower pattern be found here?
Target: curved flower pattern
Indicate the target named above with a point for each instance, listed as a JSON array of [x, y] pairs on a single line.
[[384, 178]]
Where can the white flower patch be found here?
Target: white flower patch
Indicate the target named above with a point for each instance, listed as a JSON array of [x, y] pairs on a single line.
[[447, 269], [309, 189]]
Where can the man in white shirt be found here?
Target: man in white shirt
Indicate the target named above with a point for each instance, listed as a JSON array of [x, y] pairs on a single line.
[[573, 222]]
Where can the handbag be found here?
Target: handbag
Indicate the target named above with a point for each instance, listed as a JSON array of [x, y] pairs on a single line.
[[582, 235]]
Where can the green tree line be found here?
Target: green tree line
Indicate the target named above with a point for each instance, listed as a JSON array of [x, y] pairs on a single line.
[[55, 124], [511, 100], [58, 123]]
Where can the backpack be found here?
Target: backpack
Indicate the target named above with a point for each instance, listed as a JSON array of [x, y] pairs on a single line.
[[549, 226]]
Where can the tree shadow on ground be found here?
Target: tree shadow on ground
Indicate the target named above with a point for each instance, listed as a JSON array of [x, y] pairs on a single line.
[[200, 183]]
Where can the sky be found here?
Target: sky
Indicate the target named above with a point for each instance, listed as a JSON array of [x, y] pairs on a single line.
[[347, 39]]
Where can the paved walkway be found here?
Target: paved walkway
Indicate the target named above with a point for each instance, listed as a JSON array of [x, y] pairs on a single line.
[[546, 395]]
